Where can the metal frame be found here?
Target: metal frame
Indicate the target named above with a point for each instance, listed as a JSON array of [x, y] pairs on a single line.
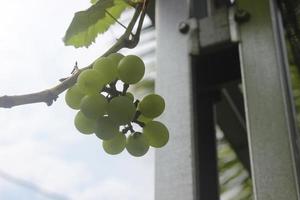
[[194, 70], [231, 119], [269, 110], [175, 169]]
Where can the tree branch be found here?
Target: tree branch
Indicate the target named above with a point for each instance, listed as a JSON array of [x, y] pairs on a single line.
[[48, 96]]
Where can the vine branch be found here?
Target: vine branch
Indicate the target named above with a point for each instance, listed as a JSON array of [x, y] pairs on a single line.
[[48, 96]]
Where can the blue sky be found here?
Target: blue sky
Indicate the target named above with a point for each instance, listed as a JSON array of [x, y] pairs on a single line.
[[38, 144]]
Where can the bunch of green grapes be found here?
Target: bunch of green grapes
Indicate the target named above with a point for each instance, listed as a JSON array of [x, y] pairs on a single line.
[[110, 113]]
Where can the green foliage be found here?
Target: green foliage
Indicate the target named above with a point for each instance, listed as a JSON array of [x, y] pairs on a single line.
[[235, 181], [86, 25]]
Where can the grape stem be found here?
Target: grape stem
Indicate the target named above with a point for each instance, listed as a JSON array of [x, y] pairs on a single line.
[[137, 114], [125, 88], [48, 96], [136, 103], [141, 124], [128, 128], [112, 91]]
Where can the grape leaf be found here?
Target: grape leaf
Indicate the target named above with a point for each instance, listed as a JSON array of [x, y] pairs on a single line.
[[86, 25]]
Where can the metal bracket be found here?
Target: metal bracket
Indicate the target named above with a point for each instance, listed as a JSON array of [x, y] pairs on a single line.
[[218, 30]]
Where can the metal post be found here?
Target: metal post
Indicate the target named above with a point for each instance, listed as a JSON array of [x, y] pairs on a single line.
[[269, 111], [175, 169]]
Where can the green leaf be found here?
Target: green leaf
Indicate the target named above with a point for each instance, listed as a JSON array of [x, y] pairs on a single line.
[[86, 25]]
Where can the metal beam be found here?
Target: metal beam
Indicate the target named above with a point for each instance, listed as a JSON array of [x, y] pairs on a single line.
[[174, 168], [269, 110], [231, 119]]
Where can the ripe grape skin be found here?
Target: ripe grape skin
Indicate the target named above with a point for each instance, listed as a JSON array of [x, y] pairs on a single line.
[[130, 96], [137, 144], [152, 106], [143, 119], [116, 57], [115, 145], [121, 110], [107, 68], [93, 106], [73, 97], [106, 129], [131, 69], [84, 124], [90, 81], [157, 134]]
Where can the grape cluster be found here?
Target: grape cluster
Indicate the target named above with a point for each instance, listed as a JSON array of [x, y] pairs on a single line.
[[113, 114]]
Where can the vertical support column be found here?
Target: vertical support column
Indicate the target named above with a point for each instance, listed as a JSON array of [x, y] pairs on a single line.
[[270, 120], [174, 164], [187, 167]]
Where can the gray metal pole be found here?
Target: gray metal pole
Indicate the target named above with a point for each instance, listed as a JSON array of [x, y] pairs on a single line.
[[174, 168], [269, 114]]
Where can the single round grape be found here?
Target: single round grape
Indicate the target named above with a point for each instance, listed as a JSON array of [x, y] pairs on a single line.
[[115, 145], [152, 106], [106, 67], [157, 134], [131, 69], [144, 119], [90, 81], [115, 57], [73, 97], [121, 110], [137, 144], [130, 96], [83, 124], [106, 129], [93, 106]]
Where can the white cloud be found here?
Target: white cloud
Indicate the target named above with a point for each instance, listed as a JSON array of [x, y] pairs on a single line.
[[111, 189], [114, 189]]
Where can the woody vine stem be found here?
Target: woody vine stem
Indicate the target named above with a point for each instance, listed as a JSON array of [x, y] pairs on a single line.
[[48, 96]]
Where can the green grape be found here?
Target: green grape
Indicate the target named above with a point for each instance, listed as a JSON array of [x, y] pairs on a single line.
[[116, 57], [131, 69], [73, 97], [106, 129], [93, 106], [107, 68], [90, 81], [130, 96], [152, 106], [115, 145], [84, 124], [121, 110], [157, 134], [137, 144], [144, 119]]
